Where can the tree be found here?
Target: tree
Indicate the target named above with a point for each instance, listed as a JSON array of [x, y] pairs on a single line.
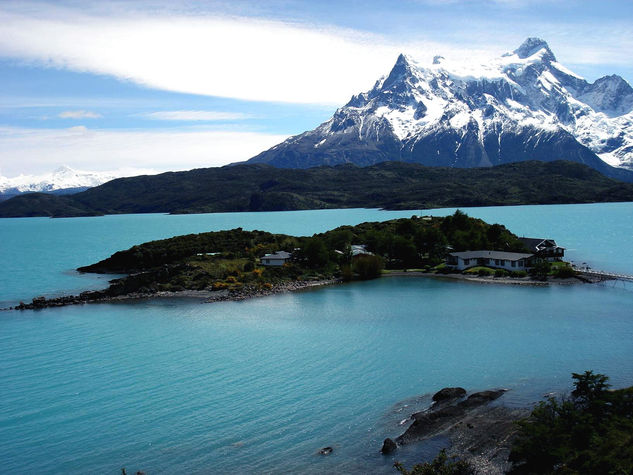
[[367, 267], [440, 465], [315, 252], [590, 432]]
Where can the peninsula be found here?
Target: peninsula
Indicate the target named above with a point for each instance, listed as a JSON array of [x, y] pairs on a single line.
[[238, 264]]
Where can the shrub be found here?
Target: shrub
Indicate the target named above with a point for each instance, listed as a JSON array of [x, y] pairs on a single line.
[[440, 465], [220, 286], [564, 272], [501, 273], [518, 273], [540, 270], [346, 272], [367, 267], [589, 432]]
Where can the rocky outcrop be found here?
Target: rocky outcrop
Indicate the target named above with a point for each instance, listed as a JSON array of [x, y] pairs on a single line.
[[449, 409], [429, 423], [447, 394]]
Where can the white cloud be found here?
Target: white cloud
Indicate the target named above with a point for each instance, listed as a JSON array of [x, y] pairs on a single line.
[[35, 151], [79, 114], [209, 55], [265, 60], [196, 115]]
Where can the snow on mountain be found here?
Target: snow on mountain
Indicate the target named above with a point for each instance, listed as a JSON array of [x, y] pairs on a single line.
[[63, 178], [523, 105]]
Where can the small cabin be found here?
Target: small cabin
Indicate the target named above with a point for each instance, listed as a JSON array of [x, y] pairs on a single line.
[[277, 259]]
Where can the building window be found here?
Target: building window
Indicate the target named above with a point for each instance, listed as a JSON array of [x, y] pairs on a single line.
[[514, 264], [466, 262]]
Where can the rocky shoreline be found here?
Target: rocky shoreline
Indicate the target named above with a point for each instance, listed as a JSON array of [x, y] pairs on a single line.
[[247, 292], [207, 296], [491, 279], [480, 434]]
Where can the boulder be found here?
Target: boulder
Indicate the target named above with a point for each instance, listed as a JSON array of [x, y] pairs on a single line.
[[388, 446], [449, 393], [326, 450]]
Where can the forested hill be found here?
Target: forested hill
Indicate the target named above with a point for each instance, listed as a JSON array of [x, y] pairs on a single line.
[[391, 185]]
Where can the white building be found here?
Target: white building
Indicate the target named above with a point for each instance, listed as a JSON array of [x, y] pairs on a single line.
[[496, 259], [277, 259]]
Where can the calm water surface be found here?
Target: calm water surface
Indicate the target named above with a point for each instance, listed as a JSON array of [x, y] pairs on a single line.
[[172, 386]]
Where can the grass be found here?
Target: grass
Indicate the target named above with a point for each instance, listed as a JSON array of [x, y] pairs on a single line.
[[479, 270]]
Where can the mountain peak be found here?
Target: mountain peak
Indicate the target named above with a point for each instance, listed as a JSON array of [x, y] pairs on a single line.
[[401, 69], [533, 45]]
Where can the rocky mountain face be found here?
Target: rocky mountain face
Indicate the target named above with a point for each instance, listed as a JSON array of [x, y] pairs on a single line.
[[522, 106]]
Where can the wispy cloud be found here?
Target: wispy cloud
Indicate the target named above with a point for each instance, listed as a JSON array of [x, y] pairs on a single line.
[[242, 58], [196, 115], [79, 114], [282, 61], [34, 151]]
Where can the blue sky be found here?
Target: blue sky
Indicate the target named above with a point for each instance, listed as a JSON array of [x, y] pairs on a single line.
[[170, 86]]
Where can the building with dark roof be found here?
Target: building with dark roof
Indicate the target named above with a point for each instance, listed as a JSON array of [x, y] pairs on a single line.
[[277, 259], [543, 248]]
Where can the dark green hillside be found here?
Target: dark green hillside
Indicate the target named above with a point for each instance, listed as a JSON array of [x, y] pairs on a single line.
[[406, 242], [391, 185]]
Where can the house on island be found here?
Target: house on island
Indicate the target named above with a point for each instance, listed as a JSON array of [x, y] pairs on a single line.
[[511, 261], [360, 250], [356, 250], [543, 248], [277, 259]]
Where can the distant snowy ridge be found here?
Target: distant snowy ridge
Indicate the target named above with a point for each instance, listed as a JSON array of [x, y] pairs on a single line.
[[523, 105], [63, 178]]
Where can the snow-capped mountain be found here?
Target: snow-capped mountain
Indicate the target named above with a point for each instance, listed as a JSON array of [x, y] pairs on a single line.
[[522, 106], [63, 178]]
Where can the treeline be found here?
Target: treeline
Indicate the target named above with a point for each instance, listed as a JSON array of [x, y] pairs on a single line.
[[389, 185], [407, 242]]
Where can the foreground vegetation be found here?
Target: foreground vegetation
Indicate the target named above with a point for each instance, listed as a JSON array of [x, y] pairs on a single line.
[[590, 432], [390, 185]]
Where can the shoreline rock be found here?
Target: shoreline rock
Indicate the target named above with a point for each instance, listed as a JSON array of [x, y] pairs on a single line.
[[209, 296], [479, 433], [439, 418], [491, 279]]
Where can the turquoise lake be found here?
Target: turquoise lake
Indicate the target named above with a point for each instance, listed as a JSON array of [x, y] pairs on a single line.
[[176, 386]]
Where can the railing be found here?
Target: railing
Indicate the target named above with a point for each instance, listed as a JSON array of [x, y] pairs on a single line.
[[605, 275]]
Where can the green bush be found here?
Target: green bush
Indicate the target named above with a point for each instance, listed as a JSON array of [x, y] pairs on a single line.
[[564, 272], [518, 273], [367, 267], [501, 273], [440, 465], [590, 432]]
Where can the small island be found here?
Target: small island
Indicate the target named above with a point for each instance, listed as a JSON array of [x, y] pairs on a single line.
[[238, 264]]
